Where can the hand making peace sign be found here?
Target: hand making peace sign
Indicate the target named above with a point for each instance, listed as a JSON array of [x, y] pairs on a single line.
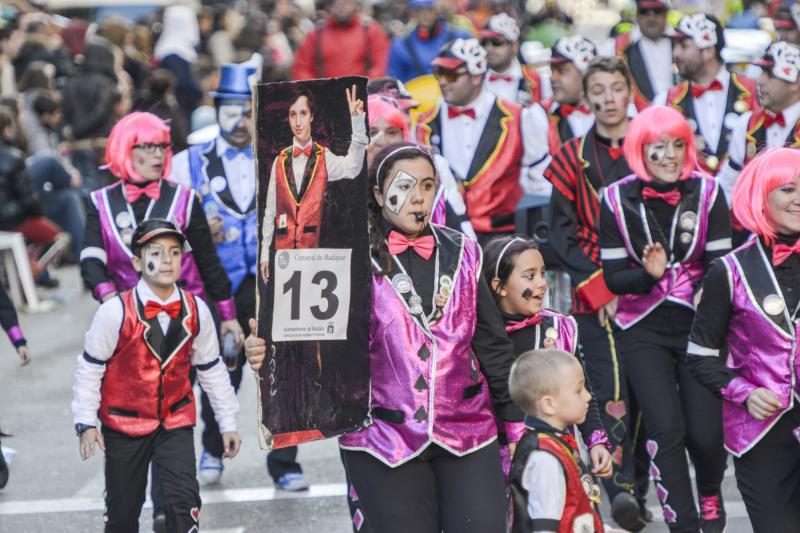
[[356, 105]]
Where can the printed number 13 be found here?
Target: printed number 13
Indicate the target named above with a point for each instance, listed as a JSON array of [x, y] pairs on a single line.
[[332, 301]]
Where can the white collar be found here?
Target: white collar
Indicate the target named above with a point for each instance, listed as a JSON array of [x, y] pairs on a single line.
[[222, 145], [146, 294], [792, 114], [723, 76], [309, 143], [482, 104]]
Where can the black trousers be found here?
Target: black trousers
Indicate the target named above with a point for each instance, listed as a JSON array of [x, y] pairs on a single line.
[[768, 476], [681, 415], [127, 461], [432, 493], [598, 347]]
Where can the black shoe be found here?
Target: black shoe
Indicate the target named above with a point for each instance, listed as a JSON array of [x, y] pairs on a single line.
[[647, 514], [3, 470], [712, 513], [160, 523], [625, 512]]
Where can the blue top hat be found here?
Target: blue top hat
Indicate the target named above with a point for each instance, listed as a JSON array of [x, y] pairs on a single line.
[[234, 82]]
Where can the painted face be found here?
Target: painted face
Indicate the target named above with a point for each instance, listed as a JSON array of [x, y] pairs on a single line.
[[571, 403], [235, 118], [566, 82], [608, 97], [783, 206], [523, 292], [300, 119], [382, 134], [407, 204], [664, 159], [160, 261], [148, 160]]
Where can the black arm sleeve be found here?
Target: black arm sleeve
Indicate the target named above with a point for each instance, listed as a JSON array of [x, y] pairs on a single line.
[[215, 279], [8, 315], [593, 421], [564, 238], [709, 330], [495, 353], [93, 271], [719, 227], [620, 277]]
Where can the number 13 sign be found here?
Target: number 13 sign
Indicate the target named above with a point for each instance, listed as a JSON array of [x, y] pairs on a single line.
[[312, 294]]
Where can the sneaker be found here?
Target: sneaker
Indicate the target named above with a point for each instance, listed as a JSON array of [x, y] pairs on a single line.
[[292, 482], [160, 523], [712, 513], [210, 469], [626, 513]]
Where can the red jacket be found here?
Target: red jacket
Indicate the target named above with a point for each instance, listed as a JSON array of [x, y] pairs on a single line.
[[298, 214], [357, 48]]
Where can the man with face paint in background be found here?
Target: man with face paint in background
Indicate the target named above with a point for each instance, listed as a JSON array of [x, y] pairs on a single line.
[[711, 98], [580, 171]]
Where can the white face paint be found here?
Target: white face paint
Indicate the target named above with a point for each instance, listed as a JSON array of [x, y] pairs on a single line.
[[230, 117], [401, 186], [161, 261], [656, 152], [664, 159]]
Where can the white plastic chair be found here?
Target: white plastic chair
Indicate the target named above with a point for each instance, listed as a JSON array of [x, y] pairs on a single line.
[[18, 269]]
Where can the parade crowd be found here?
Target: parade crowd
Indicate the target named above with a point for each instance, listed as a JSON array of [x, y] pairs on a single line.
[[585, 254]]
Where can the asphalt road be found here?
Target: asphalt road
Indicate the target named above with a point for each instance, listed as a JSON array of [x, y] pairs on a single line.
[[51, 489]]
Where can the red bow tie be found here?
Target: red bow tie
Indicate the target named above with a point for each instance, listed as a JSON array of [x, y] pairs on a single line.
[[305, 151], [771, 118], [498, 77], [782, 252], [152, 309], [133, 191], [453, 112], [514, 325], [566, 109], [699, 90], [671, 197], [398, 243], [569, 440], [615, 153]]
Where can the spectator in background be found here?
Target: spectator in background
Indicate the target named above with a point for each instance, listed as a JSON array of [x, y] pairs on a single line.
[[89, 100], [10, 41], [158, 97], [42, 44], [787, 21], [120, 33], [38, 77], [343, 44], [175, 51], [227, 24], [410, 56]]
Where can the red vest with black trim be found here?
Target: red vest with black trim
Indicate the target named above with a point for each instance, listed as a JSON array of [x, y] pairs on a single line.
[[491, 187], [298, 214], [531, 83], [580, 512], [641, 86], [146, 383], [741, 98], [756, 137]]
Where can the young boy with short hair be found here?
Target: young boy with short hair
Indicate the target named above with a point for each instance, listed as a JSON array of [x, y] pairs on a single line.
[[134, 376], [552, 489]]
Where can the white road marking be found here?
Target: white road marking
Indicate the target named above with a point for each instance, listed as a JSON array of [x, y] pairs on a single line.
[[210, 497]]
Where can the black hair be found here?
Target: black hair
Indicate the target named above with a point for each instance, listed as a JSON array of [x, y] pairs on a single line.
[[296, 96], [500, 255], [45, 101], [383, 162], [608, 64], [720, 32]]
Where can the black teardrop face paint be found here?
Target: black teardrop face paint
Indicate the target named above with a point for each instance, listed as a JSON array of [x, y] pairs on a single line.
[[527, 294], [151, 268]]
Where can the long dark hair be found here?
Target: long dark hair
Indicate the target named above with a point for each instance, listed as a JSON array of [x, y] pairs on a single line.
[[499, 256], [378, 173]]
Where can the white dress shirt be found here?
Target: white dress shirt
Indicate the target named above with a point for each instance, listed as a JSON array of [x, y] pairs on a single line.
[[101, 342], [338, 168], [777, 136], [546, 484], [507, 89], [240, 173], [657, 57]]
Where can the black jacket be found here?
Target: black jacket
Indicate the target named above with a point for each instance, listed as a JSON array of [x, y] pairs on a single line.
[[89, 96], [18, 201]]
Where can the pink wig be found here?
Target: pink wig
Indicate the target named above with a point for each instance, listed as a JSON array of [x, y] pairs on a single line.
[[132, 129], [770, 170], [384, 107], [647, 128]]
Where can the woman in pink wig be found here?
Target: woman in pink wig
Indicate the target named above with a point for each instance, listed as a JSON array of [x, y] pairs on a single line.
[[660, 228], [750, 302]]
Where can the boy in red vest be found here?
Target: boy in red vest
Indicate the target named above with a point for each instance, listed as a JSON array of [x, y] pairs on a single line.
[[551, 488], [134, 376]]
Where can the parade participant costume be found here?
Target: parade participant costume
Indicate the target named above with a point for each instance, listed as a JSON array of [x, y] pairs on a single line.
[[118, 209], [712, 111], [139, 342], [579, 497], [10, 324], [770, 126], [491, 143], [567, 120], [431, 453], [750, 303], [649, 59], [517, 83], [689, 219]]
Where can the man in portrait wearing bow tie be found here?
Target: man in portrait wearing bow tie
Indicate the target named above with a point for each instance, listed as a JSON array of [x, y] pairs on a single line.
[[710, 97], [491, 144]]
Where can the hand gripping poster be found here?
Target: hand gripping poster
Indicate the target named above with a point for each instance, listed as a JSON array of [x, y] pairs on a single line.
[[314, 266]]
